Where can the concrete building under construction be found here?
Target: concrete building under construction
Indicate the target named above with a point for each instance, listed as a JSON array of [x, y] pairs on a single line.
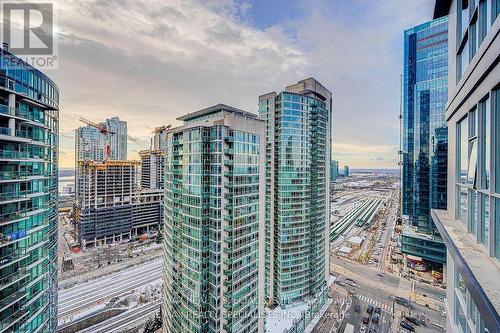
[[152, 163], [110, 205]]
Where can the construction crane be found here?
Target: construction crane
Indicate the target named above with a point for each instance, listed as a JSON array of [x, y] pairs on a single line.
[[161, 128], [104, 130]]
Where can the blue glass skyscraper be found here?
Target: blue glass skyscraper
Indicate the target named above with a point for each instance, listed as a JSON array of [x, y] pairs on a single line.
[[425, 91]]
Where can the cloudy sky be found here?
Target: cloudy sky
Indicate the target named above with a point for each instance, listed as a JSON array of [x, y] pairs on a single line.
[[150, 61]]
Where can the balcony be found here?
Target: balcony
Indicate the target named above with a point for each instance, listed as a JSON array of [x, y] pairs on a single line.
[[13, 319], [5, 109], [228, 151], [229, 139], [228, 163], [19, 194], [5, 131], [12, 238], [12, 258], [13, 299], [13, 278]]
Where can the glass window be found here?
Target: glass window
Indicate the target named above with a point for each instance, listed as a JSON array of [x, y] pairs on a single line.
[[473, 212], [463, 150], [472, 309], [485, 220], [496, 111], [463, 205], [485, 142], [460, 319], [472, 167], [497, 229]]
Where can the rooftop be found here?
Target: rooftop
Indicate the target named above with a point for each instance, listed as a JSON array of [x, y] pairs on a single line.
[[213, 109]]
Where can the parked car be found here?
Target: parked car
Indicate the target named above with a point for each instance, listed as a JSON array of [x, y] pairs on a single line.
[[413, 320], [369, 309], [362, 329], [377, 310], [357, 308], [376, 318], [366, 320], [406, 325]]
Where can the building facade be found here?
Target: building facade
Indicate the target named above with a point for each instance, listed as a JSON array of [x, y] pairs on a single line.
[[425, 91], [118, 140], [334, 170], [29, 127], [298, 123], [346, 171], [152, 165], [470, 224], [214, 223], [90, 143], [110, 205]]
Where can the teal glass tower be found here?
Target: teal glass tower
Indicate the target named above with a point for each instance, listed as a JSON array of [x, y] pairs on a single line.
[[214, 223], [297, 191], [425, 137], [28, 197]]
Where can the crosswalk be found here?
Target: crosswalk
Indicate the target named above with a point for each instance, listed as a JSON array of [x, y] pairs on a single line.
[[377, 269], [374, 303]]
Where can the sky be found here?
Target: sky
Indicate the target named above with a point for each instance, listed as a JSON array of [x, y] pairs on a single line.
[[151, 61]]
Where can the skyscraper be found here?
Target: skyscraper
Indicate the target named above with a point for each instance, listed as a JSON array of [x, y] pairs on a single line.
[[90, 143], [214, 223], [152, 164], [470, 224], [346, 171], [29, 126], [118, 140], [334, 170], [297, 190], [425, 90]]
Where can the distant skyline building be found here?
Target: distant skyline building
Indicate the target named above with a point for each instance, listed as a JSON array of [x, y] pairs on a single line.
[[152, 165], [425, 139], [334, 170], [29, 145], [214, 223], [346, 171], [470, 224], [298, 139], [90, 143]]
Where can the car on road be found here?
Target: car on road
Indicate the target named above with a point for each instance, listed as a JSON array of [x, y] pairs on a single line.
[[370, 261], [376, 318], [366, 320], [380, 274], [362, 329], [412, 320], [369, 309], [357, 308], [351, 283], [377, 310], [406, 325]]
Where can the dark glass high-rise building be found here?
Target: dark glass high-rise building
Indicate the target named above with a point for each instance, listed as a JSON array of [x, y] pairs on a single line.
[[29, 115], [425, 137]]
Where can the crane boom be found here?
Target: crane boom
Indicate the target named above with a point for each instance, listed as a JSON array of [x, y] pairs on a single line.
[[102, 128], [161, 128]]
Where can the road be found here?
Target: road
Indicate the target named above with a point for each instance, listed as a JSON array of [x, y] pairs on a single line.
[[126, 320], [83, 297]]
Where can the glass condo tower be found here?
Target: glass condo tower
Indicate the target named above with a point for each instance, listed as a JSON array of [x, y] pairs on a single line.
[[28, 197], [425, 137], [297, 203], [214, 228]]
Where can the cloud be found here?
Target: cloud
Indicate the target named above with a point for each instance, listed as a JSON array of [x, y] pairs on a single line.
[[150, 61]]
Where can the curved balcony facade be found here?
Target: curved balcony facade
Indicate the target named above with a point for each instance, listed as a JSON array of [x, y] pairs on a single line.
[[28, 198]]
